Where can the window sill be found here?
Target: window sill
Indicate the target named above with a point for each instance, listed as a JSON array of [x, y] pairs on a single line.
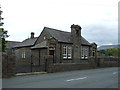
[[84, 59], [67, 58]]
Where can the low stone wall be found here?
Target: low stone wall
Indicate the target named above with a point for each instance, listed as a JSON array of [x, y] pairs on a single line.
[[84, 64], [108, 61], [0, 65], [67, 67], [8, 65], [60, 67]]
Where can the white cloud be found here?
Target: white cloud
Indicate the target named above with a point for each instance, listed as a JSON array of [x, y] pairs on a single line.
[[25, 16]]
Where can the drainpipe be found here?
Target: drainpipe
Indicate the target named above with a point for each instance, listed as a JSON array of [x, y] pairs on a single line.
[[60, 53], [39, 57], [31, 63]]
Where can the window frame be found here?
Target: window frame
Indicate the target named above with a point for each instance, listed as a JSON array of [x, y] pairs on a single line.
[[67, 52], [64, 52], [82, 52], [23, 54], [86, 53]]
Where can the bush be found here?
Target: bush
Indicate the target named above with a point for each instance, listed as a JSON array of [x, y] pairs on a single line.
[[109, 52]]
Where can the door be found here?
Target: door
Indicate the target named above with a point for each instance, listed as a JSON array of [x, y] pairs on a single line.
[[51, 52]]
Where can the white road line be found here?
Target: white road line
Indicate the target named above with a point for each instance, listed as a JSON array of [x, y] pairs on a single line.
[[115, 72], [75, 79]]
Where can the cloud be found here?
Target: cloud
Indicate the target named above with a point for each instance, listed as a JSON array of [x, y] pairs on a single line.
[[98, 18], [101, 34]]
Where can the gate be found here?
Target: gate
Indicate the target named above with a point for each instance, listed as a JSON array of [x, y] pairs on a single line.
[[23, 67]]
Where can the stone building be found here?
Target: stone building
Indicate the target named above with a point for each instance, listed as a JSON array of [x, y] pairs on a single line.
[[65, 47], [23, 49]]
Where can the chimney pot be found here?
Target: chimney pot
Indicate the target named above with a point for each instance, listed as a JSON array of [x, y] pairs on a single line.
[[32, 34]]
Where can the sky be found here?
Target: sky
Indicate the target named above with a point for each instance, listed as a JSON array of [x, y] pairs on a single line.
[[98, 18]]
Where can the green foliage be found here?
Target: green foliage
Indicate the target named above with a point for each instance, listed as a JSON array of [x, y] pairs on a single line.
[[2, 44], [3, 35], [110, 52]]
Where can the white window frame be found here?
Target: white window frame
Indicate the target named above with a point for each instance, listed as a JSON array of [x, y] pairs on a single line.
[[67, 52], [64, 52], [86, 53], [82, 52], [23, 54]]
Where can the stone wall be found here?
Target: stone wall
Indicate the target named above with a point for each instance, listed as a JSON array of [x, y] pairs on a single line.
[[84, 64], [108, 61], [60, 67], [0, 65], [8, 65], [67, 67]]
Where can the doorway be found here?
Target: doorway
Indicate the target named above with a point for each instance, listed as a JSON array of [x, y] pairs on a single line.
[[52, 52]]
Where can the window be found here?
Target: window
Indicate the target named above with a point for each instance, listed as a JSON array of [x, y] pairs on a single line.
[[86, 53], [23, 54], [44, 37], [82, 52], [67, 52]]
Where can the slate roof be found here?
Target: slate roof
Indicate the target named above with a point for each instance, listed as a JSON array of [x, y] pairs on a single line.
[[63, 36], [11, 44], [59, 35], [27, 42], [40, 45], [85, 42]]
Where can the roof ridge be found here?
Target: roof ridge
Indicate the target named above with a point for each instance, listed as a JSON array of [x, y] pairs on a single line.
[[29, 38], [13, 41], [56, 29]]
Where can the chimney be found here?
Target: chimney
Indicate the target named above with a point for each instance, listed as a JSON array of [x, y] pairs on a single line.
[[32, 34], [75, 30], [76, 39]]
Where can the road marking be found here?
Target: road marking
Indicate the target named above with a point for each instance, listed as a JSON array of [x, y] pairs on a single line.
[[75, 79], [115, 72]]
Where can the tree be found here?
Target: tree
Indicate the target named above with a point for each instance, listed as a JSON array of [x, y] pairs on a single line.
[[110, 52], [3, 34]]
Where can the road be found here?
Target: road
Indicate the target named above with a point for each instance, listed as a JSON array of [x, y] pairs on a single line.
[[93, 78]]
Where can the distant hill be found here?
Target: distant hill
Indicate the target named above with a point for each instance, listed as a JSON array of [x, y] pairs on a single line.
[[104, 47]]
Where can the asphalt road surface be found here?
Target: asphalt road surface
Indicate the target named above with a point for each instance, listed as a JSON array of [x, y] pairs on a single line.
[[93, 78]]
